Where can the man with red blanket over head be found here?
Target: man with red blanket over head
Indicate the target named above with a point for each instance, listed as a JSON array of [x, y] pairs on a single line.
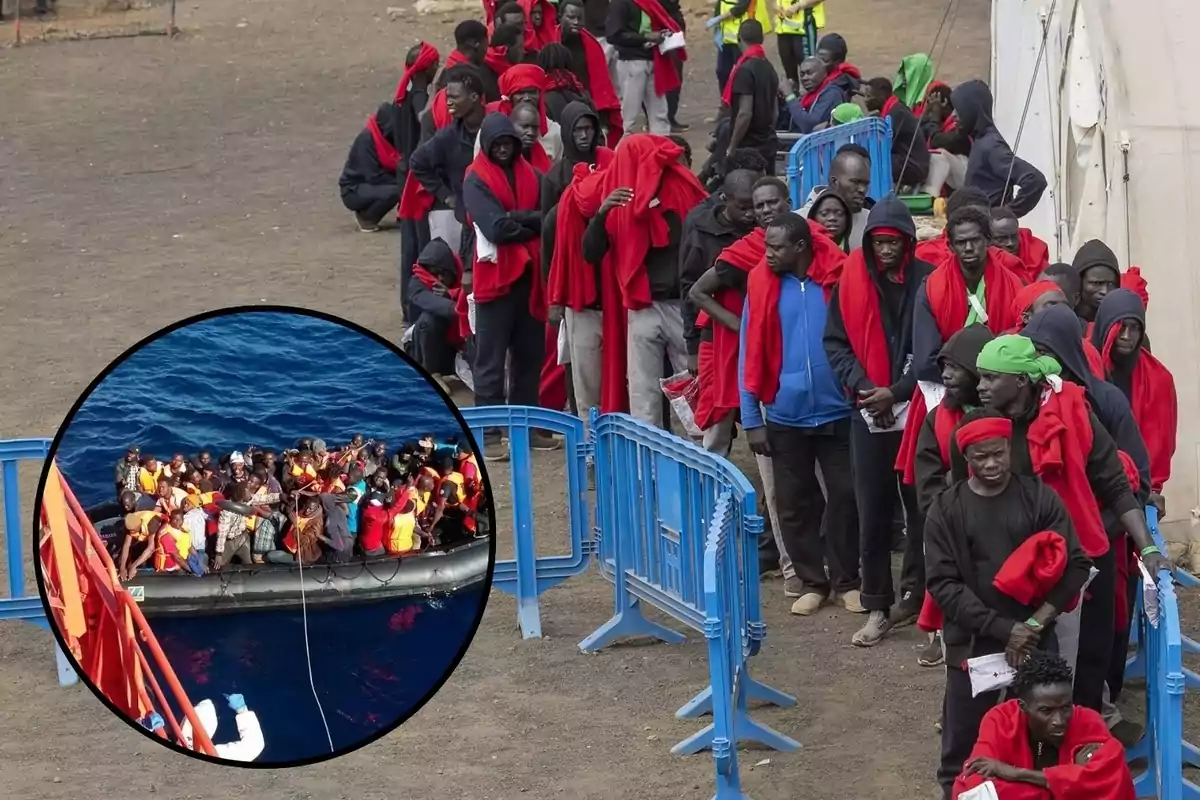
[[540, 27], [626, 220], [1057, 437], [869, 341], [526, 84], [1040, 746], [795, 412], [589, 63], [500, 195], [368, 182], [436, 287], [1008, 235], [1003, 562], [645, 75]]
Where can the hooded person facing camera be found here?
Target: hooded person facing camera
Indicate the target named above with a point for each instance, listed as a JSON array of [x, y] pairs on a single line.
[[368, 183], [1099, 273], [992, 165], [434, 291]]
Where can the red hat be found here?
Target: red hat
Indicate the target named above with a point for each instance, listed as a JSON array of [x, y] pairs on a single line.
[[980, 430]]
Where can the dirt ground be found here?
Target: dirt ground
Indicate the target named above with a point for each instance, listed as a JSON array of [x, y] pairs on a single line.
[[146, 179]]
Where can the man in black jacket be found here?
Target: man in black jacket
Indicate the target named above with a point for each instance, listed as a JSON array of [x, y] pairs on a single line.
[[440, 163], [471, 39], [628, 31], [435, 312], [368, 182], [949, 147], [1008, 180], [889, 239], [1099, 273], [910, 154]]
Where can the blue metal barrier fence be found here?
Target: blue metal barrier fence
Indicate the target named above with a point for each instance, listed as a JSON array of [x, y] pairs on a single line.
[[18, 605], [811, 156]]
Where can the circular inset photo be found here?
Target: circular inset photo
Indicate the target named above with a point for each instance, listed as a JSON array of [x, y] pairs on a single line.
[[264, 536]]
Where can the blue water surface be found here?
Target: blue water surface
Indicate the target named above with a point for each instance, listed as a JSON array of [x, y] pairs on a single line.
[[270, 378]]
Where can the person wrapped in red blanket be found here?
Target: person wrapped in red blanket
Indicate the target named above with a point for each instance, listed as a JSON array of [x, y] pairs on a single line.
[[938, 249], [639, 200], [1039, 746], [438, 331], [540, 27], [590, 65], [1008, 235]]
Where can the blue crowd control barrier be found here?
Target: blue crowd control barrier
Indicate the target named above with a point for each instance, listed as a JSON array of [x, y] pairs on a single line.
[[18, 605], [527, 575], [810, 158], [656, 496]]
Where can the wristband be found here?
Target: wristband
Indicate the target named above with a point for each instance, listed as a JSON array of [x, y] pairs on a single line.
[[1033, 623], [1151, 549]]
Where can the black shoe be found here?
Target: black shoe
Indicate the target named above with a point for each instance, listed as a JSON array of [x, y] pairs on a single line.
[[679, 127], [1127, 733], [365, 225], [907, 610]]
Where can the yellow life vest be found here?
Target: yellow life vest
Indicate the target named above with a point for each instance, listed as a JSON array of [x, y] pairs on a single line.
[[758, 10], [458, 480], [307, 471], [183, 546], [420, 498], [402, 537], [147, 480], [137, 524], [795, 23]]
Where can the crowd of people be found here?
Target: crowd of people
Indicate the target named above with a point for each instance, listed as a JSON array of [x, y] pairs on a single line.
[[1008, 410], [308, 505]]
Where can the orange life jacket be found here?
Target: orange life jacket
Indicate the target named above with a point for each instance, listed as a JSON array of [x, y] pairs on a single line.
[[402, 537], [168, 562]]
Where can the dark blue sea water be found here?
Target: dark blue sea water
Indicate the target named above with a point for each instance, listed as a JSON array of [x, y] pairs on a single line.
[[270, 378]]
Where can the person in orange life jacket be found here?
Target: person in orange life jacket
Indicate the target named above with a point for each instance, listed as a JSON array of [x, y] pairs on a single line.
[[169, 497], [1099, 273], [403, 533], [305, 535], [869, 341], [175, 549], [949, 147], [264, 470], [750, 100], [977, 531], [1008, 180], [440, 164], [268, 520], [302, 471], [409, 104], [910, 156], [644, 74], [972, 285], [1040, 745], [447, 522], [1007, 234], [434, 292], [501, 195], [811, 111], [368, 182], [126, 476], [148, 474], [1058, 438], [589, 62], [794, 411], [138, 544], [831, 213], [467, 465]]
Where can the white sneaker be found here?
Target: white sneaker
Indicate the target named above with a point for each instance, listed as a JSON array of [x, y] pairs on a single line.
[[808, 604], [871, 634]]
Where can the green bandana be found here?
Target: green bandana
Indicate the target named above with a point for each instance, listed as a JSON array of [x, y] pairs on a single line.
[[913, 79], [846, 112], [1015, 355]]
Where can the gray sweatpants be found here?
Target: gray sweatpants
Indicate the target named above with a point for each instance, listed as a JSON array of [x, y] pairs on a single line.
[[635, 82], [652, 333], [584, 332]]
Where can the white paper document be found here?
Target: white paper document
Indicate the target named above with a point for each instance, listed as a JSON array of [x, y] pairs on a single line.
[[899, 411], [984, 791], [1149, 594], [674, 41], [989, 673], [932, 392]]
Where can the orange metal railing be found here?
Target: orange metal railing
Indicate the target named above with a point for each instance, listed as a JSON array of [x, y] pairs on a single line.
[[103, 627]]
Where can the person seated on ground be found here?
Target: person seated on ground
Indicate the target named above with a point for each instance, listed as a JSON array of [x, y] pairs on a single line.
[[403, 535], [1040, 746], [173, 550], [1119, 334], [376, 520], [750, 100], [148, 474], [132, 501], [126, 477], [368, 184], [1007, 234], [141, 527], [833, 51], [1099, 273], [845, 113], [814, 109], [563, 86], [305, 534], [1006, 179], [831, 213], [949, 147], [1003, 561], [589, 63], [168, 498], [910, 156]]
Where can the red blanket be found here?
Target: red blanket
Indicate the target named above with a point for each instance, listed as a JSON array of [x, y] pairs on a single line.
[[858, 301], [519, 78], [1133, 281], [455, 333], [427, 57], [493, 279], [943, 425], [1034, 569], [544, 34], [1155, 408], [666, 77], [753, 51], [947, 292], [764, 331], [935, 251], [1033, 254], [1004, 736], [385, 151], [722, 393], [496, 59], [648, 165], [572, 281], [552, 390], [600, 86]]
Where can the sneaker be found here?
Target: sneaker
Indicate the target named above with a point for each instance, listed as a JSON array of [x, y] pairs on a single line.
[[541, 440], [679, 127], [365, 225], [906, 611], [793, 587], [871, 634], [931, 654], [852, 601], [495, 448], [808, 604]]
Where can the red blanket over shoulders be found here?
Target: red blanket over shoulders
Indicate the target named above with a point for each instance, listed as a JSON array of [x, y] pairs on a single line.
[[1155, 408], [1034, 255], [947, 292], [722, 391]]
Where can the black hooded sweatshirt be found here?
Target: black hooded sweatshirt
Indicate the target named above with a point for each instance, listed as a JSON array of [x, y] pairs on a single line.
[[439, 259], [1118, 306], [1056, 330], [705, 235], [1096, 254], [362, 164], [819, 201], [991, 158], [962, 349], [896, 303], [498, 225], [558, 177]]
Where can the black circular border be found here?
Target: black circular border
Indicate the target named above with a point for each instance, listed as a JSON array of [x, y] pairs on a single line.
[[262, 309]]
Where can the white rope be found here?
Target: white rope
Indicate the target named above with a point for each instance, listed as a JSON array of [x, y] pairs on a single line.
[[312, 684]]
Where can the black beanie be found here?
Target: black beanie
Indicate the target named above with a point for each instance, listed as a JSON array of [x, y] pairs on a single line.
[[1096, 253], [835, 45]]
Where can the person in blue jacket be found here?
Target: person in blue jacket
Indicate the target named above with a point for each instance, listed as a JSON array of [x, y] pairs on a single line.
[[812, 111], [795, 411]]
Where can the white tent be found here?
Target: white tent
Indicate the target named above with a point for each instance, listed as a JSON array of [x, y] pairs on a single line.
[[1112, 126]]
